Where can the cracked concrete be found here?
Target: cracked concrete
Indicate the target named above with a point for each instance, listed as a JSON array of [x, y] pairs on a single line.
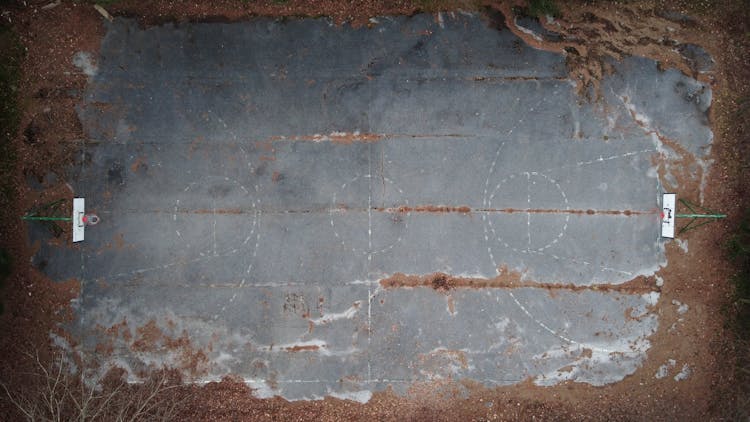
[[260, 183]]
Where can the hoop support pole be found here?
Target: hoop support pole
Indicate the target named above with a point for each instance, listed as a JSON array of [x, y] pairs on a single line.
[[38, 218], [716, 216], [709, 216]]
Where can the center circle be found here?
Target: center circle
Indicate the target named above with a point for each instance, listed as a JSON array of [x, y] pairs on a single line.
[[539, 199], [219, 196], [362, 222]]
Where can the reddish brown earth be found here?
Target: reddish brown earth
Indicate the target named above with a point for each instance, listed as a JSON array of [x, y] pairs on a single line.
[[48, 137]]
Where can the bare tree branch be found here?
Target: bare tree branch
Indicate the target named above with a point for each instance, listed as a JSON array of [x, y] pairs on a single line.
[[57, 391], [24, 408]]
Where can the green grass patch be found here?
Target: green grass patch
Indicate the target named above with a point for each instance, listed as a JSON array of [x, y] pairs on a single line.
[[11, 53], [10, 60], [542, 8], [6, 267], [104, 2], [738, 249], [433, 6], [739, 252]]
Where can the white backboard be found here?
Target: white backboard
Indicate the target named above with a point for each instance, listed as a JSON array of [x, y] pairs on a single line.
[[667, 215], [79, 207]]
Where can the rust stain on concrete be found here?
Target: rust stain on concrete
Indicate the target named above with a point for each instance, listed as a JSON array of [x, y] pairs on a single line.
[[509, 279], [457, 356], [138, 164], [426, 208], [344, 138], [513, 78], [305, 348], [467, 210]]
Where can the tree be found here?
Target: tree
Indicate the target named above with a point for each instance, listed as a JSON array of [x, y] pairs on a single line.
[[59, 391]]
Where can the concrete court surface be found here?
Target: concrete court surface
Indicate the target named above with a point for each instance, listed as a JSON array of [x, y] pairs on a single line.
[[256, 181]]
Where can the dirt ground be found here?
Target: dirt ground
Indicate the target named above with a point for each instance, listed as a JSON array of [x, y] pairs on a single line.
[[49, 132]]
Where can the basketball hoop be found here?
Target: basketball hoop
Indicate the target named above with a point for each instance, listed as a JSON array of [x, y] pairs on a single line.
[[79, 219], [90, 219]]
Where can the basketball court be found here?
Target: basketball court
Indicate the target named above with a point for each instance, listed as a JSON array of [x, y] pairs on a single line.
[[324, 210]]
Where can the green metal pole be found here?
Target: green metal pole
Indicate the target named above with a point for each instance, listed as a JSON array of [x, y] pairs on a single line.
[[32, 217], [700, 215]]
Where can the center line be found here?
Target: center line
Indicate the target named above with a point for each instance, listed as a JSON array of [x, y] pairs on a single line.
[[213, 211], [369, 204], [528, 205]]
